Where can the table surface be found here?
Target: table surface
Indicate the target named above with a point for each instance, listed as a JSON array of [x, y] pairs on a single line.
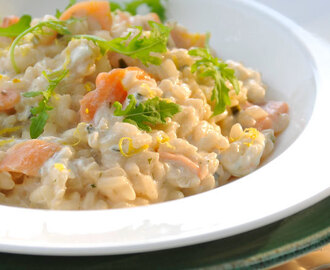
[[257, 249]]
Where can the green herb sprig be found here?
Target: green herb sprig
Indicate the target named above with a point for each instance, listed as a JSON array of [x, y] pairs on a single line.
[[148, 113], [59, 13], [138, 47], [155, 6], [39, 113], [60, 27], [17, 28], [210, 66]]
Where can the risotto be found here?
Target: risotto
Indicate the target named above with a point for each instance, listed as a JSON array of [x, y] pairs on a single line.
[[102, 108]]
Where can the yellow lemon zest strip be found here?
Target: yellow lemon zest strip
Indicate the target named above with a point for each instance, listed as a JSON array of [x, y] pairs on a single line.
[[3, 76], [164, 139], [4, 142], [88, 87], [9, 130], [131, 149], [231, 139], [16, 80], [151, 93], [60, 167], [77, 135], [252, 133]]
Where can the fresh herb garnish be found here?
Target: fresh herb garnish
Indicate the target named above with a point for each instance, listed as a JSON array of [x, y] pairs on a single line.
[[148, 113], [138, 47], [155, 6], [116, 6], [17, 28], [58, 26], [40, 115], [210, 66], [59, 13]]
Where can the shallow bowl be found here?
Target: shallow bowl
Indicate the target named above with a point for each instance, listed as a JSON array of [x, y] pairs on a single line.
[[293, 178]]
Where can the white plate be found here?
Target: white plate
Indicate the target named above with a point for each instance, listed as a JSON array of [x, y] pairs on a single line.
[[297, 176]]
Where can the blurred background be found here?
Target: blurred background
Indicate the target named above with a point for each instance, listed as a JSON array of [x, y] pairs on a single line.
[[313, 15]]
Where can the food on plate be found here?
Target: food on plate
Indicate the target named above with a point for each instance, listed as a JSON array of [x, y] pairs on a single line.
[[101, 107]]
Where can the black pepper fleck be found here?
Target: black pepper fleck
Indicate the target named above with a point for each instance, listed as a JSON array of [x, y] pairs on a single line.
[[122, 63], [90, 128], [235, 109]]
